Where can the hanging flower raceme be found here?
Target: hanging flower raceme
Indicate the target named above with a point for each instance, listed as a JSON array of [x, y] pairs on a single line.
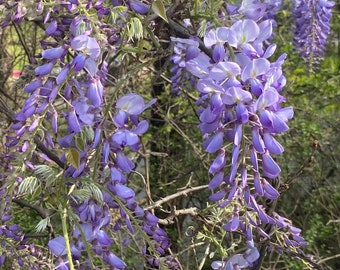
[[94, 216], [240, 92], [67, 94], [312, 26]]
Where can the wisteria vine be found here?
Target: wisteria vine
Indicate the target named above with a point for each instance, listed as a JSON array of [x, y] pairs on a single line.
[[75, 140]]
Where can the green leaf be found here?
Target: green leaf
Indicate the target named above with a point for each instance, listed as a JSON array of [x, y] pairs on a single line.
[[41, 226], [46, 173], [89, 134], [29, 185], [135, 28], [82, 194], [95, 191], [80, 143], [159, 9], [73, 157]]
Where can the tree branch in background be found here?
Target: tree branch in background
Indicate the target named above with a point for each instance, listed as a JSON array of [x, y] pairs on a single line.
[[175, 195]]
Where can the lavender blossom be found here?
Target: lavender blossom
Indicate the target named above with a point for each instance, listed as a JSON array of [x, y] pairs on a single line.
[[238, 92], [312, 26]]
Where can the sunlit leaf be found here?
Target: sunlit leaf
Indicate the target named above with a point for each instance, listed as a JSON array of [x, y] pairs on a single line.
[[73, 157], [159, 9]]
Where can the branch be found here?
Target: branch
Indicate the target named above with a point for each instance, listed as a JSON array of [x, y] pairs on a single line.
[[173, 196], [44, 213], [193, 211], [48, 153], [329, 258]]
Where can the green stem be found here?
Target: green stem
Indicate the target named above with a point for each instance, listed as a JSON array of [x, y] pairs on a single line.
[[67, 241]]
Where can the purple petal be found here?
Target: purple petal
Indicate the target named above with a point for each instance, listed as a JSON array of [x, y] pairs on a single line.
[[233, 224], [54, 122], [114, 261], [141, 128], [66, 140], [139, 7], [120, 119], [252, 254], [123, 191], [258, 184], [214, 143], [91, 66], [57, 246], [54, 53], [255, 68], [217, 196], [216, 180], [103, 238], [89, 44], [273, 146], [206, 86], [95, 93], [242, 113], [270, 167], [51, 28], [210, 38], [218, 163], [78, 62], [44, 69], [123, 138], [124, 163], [106, 152], [131, 103], [257, 140], [86, 230], [267, 99], [62, 75], [224, 70], [73, 122], [269, 191], [285, 114], [218, 53], [208, 116], [242, 32]]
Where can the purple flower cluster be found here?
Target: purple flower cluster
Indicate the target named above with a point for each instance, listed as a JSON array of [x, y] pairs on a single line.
[[240, 109], [184, 50], [67, 98], [312, 26], [254, 10], [94, 217]]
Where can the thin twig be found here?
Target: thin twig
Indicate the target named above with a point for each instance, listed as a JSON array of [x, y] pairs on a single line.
[[175, 195], [193, 211]]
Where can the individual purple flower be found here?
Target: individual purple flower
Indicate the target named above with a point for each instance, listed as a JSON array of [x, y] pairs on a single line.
[[138, 6], [51, 28], [44, 69], [73, 121], [53, 53], [242, 32], [95, 92], [216, 38], [270, 167], [214, 142], [114, 261], [133, 104], [87, 45]]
